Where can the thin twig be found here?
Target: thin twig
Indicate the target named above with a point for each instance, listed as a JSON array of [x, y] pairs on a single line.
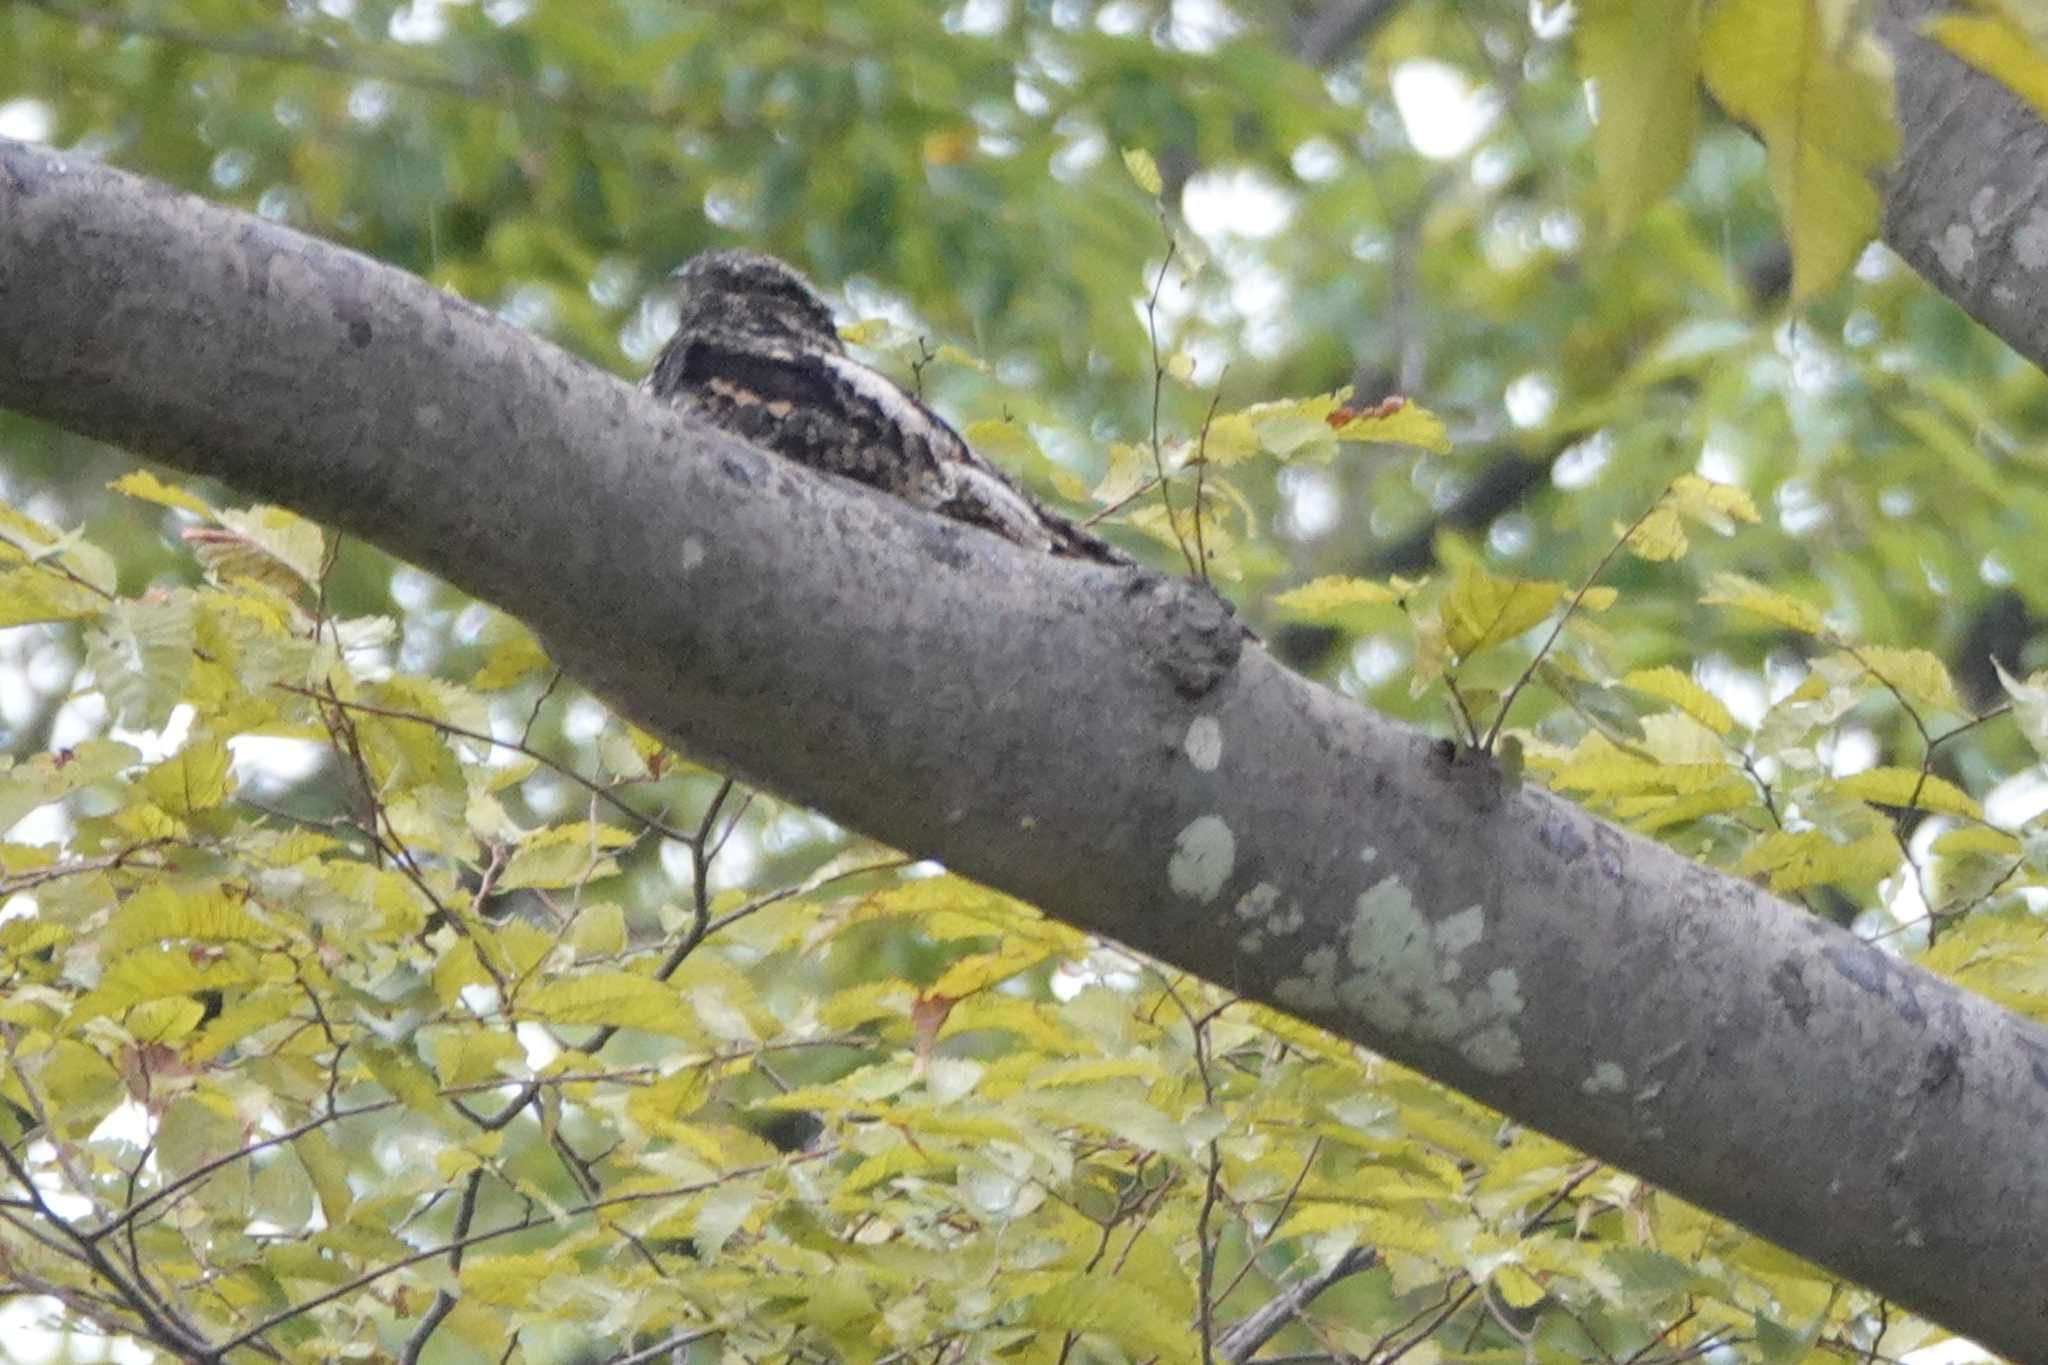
[[1507, 703]]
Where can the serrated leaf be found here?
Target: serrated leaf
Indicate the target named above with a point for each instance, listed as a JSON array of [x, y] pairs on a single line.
[[1909, 787], [565, 855], [162, 912], [1747, 595], [1715, 505], [1795, 860], [1659, 537], [510, 1281], [32, 595], [622, 999], [1915, 674], [195, 778], [1482, 610], [1098, 1305], [1681, 691]]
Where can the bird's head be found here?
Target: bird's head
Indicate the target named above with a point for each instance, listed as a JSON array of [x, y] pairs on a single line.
[[757, 296]]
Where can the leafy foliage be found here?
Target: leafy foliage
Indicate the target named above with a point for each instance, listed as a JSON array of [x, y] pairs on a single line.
[[365, 989]]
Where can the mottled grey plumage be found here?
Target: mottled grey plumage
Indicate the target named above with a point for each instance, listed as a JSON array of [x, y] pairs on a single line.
[[756, 353]]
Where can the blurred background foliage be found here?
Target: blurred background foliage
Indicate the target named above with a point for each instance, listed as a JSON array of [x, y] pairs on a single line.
[[1397, 198]]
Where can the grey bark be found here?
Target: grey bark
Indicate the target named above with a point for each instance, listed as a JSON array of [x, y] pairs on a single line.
[[1967, 202], [1092, 739]]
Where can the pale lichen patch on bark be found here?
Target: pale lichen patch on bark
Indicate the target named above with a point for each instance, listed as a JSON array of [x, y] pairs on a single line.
[[1398, 970], [1204, 853], [1204, 743], [1607, 1079]]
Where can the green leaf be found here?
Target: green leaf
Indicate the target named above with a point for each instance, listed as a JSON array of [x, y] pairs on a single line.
[[1820, 95], [1097, 1305], [1643, 59], [35, 594], [1681, 691], [610, 998], [1909, 787], [1482, 610], [565, 855]]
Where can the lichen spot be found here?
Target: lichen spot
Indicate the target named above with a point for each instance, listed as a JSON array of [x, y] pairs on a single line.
[[1203, 855], [1607, 1079], [2030, 243], [1204, 744], [693, 552], [1368, 853], [1258, 902], [1957, 248]]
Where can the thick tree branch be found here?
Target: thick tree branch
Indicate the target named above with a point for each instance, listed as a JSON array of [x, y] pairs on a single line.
[[1967, 203], [1089, 738]]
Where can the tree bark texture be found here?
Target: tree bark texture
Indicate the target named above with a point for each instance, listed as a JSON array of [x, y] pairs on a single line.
[[1967, 202], [1096, 740]]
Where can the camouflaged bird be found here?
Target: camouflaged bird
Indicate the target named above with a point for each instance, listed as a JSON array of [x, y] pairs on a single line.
[[756, 354]]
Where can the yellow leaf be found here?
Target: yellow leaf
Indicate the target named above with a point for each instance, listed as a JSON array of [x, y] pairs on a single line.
[[977, 971], [511, 659], [1099, 1305], [1229, 438], [1716, 505], [164, 1021], [1144, 170], [1916, 674], [1337, 596], [1660, 536], [510, 1281], [1643, 59], [149, 488], [1811, 858], [196, 778], [1482, 610], [565, 855], [1398, 423], [1598, 598], [161, 913], [28, 596], [2001, 49], [1911, 788], [1682, 692], [1517, 1286], [1819, 93], [1743, 594], [618, 998]]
